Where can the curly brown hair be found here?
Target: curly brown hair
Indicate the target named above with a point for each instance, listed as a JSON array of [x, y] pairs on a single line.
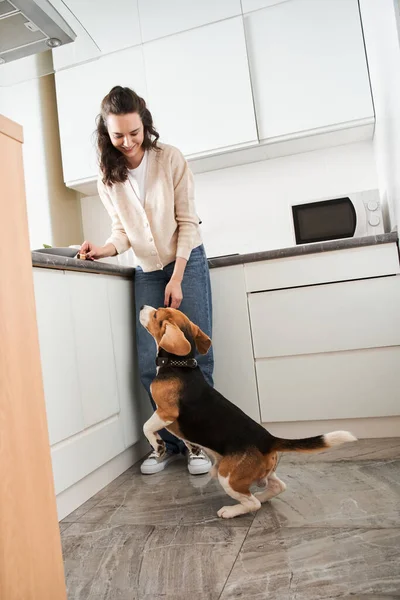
[[121, 101]]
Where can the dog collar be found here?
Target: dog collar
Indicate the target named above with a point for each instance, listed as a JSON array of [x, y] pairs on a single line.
[[163, 361]]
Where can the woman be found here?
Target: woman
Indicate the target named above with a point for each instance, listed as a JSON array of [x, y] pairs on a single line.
[[147, 189]]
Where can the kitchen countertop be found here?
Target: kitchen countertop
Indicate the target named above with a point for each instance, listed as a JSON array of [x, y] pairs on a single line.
[[50, 261], [240, 259]]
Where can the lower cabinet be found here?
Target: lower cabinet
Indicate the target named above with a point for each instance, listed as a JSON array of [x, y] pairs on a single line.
[[328, 351], [94, 400]]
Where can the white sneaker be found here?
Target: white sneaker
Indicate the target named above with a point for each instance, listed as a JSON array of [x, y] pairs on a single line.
[[155, 463], [199, 463]]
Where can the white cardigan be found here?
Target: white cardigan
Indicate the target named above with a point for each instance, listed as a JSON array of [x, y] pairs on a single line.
[[167, 226]]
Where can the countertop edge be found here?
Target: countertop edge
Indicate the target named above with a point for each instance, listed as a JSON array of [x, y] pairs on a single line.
[[62, 263], [303, 250], [50, 261]]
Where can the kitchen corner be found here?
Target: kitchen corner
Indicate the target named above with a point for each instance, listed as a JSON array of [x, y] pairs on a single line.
[[284, 361]]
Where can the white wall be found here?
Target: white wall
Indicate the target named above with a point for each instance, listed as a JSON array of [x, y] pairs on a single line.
[[383, 53], [247, 208], [54, 215]]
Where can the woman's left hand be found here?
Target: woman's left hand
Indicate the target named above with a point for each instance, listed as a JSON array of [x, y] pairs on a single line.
[[173, 294]]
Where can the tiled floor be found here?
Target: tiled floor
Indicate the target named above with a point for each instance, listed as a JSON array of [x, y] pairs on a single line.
[[334, 533]]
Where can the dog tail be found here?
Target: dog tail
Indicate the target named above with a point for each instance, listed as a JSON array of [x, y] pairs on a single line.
[[314, 444]]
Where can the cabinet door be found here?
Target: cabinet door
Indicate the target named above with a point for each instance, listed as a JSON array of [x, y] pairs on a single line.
[[134, 402], [234, 374], [83, 48], [180, 15], [326, 318], [250, 5], [337, 385], [80, 91], [94, 346], [199, 88], [58, 355], [112, 26], [308, 66]]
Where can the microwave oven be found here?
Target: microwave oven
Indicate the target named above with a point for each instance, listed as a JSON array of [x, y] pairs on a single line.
[[355, 215]]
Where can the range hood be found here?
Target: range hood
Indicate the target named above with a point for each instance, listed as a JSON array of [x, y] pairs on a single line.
[[30, 26]]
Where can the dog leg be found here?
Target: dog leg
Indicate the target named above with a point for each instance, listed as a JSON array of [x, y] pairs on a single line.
[[248, 502], [192, 448], [150, 428], [275, 487]]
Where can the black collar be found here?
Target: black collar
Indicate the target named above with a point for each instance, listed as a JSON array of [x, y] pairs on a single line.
[[164, 361]]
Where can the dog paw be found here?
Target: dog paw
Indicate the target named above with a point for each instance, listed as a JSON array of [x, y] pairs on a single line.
[[227, 512], [262, 483]]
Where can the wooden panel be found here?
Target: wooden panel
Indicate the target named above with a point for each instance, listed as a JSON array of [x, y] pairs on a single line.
[[234, 363], [342, 385], [94, 346], [30, 550], [11, 129], [58, 354], [339, 316], [337, 265]]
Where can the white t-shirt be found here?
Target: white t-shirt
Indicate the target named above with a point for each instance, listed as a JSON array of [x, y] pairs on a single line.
[[137, 178]]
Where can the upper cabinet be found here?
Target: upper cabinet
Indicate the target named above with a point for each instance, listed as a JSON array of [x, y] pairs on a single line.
[[199, 89], [101, 28], [250, 5], [159, 18], [79, 94], [286, 76], [308, 66]]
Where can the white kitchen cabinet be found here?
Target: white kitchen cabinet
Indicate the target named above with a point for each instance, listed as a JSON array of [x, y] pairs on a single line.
[[199, 88], [94, 346], [234, 374], [323, 267], [58, 355], [80, 91], [83, 48], [100, 27], [180, 15], [338, 385], [308, 67], [134, 403], [326, 318], [250, 5]]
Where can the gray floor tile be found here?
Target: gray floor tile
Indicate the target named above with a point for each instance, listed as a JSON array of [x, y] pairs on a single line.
[[364, 494], [140, 562], [371, 449], [313, 564], [108, 489], [172, 497]]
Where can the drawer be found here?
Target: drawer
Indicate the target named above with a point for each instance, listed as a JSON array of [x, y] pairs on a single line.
[[337, 265], [342, 385], [326, 318]]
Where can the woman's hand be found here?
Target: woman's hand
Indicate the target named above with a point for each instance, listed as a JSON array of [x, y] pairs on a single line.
[[92, 252], [173, 294]]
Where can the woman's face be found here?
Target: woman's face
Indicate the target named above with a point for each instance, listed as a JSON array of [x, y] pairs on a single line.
[[126, 133]]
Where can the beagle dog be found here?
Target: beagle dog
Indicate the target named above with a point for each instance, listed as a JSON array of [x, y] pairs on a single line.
[[244, 452]]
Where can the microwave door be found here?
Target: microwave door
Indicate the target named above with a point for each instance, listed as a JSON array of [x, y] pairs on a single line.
[[324, 220]]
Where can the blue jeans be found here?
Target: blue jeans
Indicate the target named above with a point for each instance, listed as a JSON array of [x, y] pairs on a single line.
[[196, 304]]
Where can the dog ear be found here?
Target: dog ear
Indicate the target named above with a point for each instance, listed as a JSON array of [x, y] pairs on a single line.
[[202, 340], [174, 340]]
